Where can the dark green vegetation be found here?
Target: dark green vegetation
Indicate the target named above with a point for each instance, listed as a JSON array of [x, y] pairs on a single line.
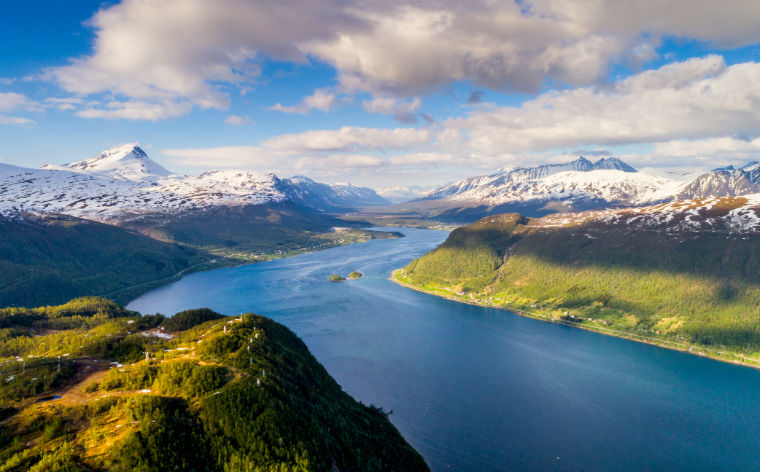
[[189, 318], [282, 226], [676, 288], [50, 260], [355, 275], [53, 259], [228, 394]]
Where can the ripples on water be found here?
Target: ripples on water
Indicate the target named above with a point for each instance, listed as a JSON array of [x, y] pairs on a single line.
[[477, 389]]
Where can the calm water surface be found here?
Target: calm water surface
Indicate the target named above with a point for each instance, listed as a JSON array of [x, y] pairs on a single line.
[[477, 389]]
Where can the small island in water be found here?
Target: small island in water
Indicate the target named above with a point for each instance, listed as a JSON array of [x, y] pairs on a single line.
[[339, 278]]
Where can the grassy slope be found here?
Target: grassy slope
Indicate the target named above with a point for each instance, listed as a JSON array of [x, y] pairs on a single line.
[[224, 395], [697, 289]]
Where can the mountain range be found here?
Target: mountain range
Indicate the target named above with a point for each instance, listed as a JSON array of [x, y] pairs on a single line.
[[577, 185], [123, 183]]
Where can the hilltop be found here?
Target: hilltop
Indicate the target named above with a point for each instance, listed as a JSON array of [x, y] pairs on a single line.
[[91, 386]]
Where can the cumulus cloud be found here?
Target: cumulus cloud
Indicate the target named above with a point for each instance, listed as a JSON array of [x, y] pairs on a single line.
[[687, 100], [197, 52], [413, 47], [171, 50], [321, 99]]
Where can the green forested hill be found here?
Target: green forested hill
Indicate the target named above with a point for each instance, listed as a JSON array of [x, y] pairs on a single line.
[[673, 283], [50, 260], [98, 390]]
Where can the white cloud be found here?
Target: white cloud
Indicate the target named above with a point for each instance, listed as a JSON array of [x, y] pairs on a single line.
[[235, 120], [321, 152], [321, 100], [692, 99], [348, 138], [516, 45], [198, 52], [704, 153]]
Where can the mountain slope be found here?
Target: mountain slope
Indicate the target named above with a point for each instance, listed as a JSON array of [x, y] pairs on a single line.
[[682, 272], [336, 197], [724, 182], [230, 394], [52, 259]]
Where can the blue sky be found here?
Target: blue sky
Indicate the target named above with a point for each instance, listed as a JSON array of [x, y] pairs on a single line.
[[386, 95]]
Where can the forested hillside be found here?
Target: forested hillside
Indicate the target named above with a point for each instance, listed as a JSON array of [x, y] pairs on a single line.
[[90, 386], [48, 259], [52, 259], [685, 274]]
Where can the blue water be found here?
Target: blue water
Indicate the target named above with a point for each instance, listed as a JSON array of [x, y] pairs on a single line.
[[477, 389]]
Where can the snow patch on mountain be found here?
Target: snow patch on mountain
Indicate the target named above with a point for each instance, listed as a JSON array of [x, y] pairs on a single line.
[[732, 215]]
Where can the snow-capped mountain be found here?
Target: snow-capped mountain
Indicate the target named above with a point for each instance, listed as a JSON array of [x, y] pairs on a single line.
[[123, 182], [725, 181], [98, 197], [125, 162], [608, 180], [307, 192]]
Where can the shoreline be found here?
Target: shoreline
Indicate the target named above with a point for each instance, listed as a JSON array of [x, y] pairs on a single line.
[[695, 350]]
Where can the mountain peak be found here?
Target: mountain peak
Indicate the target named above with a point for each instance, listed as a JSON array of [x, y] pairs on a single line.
[[123, 162], [613, 163]]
